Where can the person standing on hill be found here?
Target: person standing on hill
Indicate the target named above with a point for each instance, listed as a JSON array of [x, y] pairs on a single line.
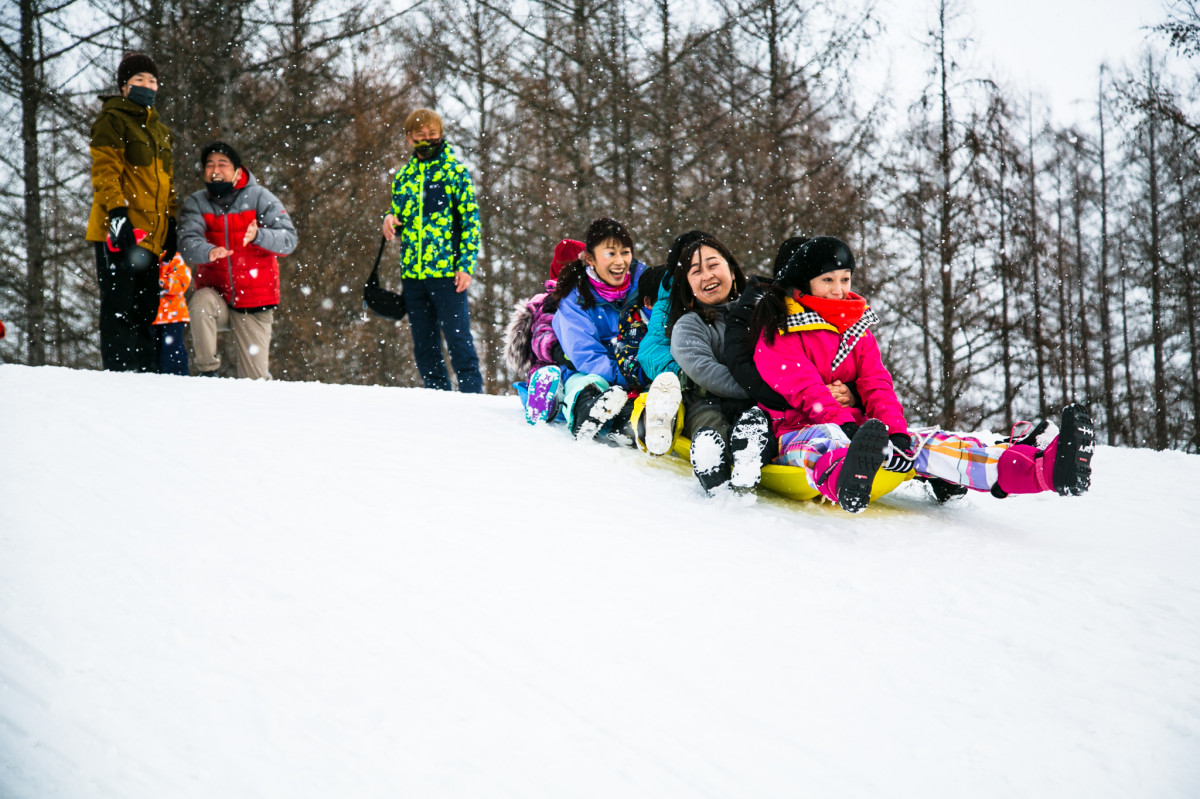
[[132, 221], [434, 211], [233, 231]]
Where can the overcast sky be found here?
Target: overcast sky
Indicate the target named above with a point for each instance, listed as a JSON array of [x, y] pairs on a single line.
[[1052, 47]]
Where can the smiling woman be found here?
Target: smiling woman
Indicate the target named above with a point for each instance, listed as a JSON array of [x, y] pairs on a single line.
[[590, 294], [728, 433], [709, 276]]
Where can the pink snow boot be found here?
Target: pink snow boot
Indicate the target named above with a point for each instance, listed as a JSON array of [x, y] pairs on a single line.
[[846, 475], [1022, 469], [1064, 466]]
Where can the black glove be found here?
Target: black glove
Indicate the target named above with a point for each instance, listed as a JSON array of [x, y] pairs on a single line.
[[900, 457], [171, 244], [849, 428], [120, 230]]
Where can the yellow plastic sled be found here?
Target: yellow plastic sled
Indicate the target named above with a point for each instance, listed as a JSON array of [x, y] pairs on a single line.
[[792, 482], [787, 481]]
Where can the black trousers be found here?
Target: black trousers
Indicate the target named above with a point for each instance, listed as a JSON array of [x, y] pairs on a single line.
[[128, 305]]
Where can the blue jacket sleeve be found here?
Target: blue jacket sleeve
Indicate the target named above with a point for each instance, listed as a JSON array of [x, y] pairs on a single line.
[[654, 353], [580, 342]]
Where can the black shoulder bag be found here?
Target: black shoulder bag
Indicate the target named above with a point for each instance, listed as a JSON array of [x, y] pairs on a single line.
[[383, 303]]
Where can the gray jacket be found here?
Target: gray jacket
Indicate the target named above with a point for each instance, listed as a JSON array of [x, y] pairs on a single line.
[[699, 349], [249, 277]]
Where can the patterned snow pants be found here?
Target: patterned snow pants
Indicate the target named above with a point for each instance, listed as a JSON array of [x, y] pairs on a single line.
[[962, 460]]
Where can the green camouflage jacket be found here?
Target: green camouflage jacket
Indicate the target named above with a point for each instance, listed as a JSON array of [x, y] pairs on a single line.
[[434, 202]]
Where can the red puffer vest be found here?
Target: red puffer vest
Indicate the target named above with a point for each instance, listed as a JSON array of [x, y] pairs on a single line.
[[250, 277]]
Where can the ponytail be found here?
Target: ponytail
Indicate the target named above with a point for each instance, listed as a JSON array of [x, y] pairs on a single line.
[[769, 314], [574, 276]]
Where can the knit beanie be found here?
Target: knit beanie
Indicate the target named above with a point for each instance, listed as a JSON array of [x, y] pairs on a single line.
[[134, 63], [786, 250], [420, 118], [565, 252], [813, 258], [225, 150]]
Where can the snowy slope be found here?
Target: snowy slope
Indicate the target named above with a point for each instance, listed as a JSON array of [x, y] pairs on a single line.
[[226, 588]]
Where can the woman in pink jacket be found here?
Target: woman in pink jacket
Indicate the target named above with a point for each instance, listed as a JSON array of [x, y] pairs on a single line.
[[811, 330]]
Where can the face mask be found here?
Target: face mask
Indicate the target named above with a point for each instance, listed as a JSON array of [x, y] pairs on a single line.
[[219, 189], [141, 95], [426, 150]]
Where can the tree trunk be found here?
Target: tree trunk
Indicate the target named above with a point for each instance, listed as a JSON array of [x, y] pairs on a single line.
[[1189, 299], [1158, 334], [1005, 323], [1065, 339], [1083, 351], [35, 240], [1034, 270], [1130, 391], [1107, 363], [945, 252]]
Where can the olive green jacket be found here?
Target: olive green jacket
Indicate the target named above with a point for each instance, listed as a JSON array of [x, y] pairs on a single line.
[[132, 167]]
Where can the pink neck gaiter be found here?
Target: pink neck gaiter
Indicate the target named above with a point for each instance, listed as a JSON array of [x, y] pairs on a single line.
[[609, 293]]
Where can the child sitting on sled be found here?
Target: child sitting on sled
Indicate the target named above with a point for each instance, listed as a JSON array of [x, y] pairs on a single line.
[[591, 292], [530, 345], [811, 329]]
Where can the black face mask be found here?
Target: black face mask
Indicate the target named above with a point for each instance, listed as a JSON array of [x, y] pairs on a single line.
[[141, 95], [219, 189], [428, 150]]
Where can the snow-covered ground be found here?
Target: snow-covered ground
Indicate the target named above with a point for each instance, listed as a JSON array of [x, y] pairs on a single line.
[[226, 588]]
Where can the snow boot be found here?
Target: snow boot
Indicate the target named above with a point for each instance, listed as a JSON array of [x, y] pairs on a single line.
[[855, 471], [545, 395], [1072, 457], [748, 442], [1021, 469], [662, 406], [1065, 466], [621, 430], [943, 490], [600, 412], [710, 459]]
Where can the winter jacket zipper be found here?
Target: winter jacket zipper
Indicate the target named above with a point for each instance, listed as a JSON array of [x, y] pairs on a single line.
[[156, 164], [421, 217], [229, 261]]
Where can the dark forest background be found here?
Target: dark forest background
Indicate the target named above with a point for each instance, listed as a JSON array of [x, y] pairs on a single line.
[[1017, 265]]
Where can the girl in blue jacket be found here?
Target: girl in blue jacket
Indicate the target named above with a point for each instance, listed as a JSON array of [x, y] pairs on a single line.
[[591, 292]]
